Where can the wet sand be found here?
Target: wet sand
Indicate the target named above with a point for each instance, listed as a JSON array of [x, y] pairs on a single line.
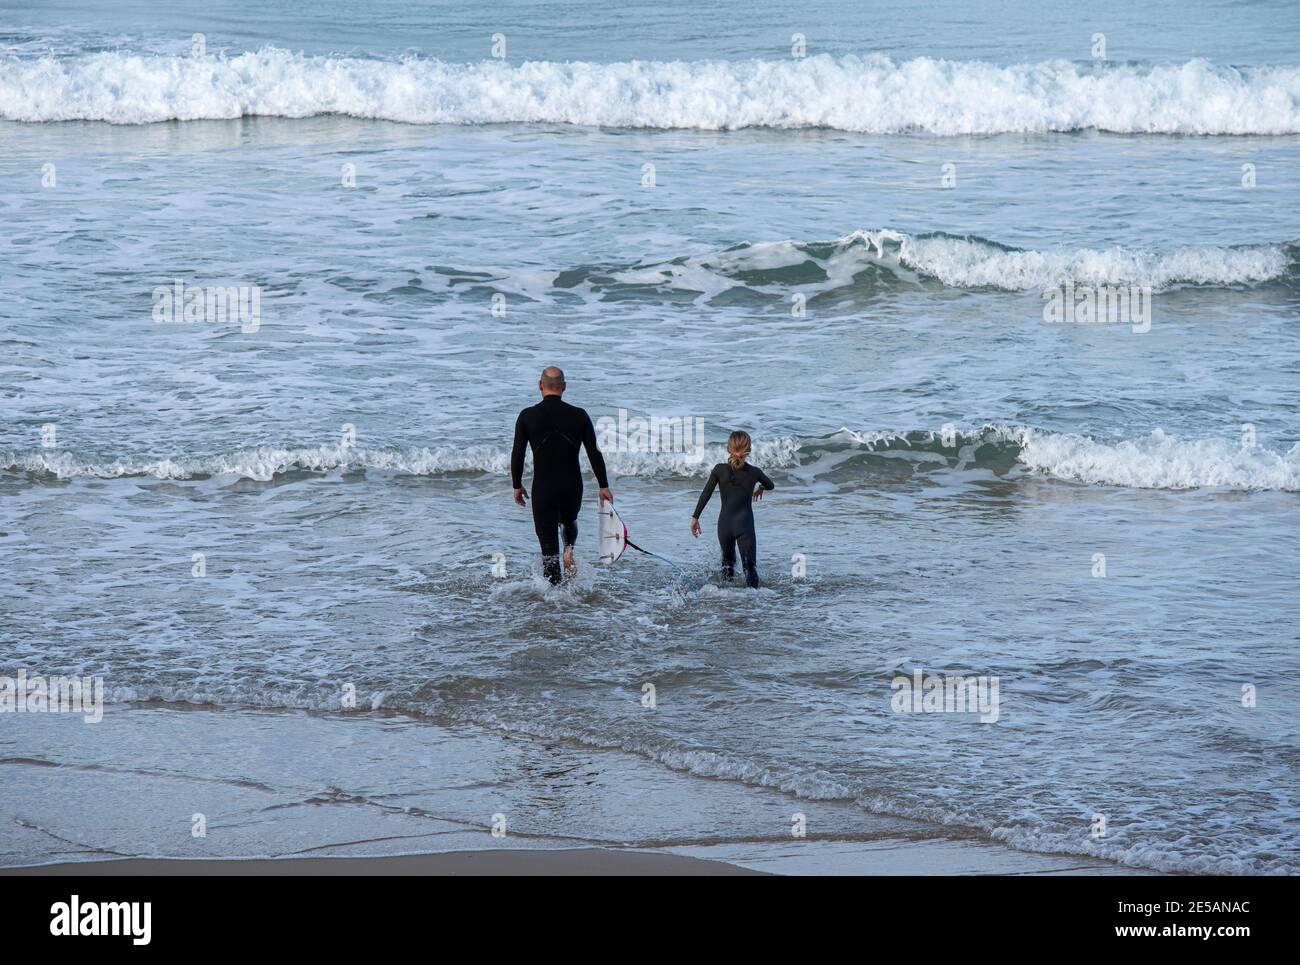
[[580, 861]]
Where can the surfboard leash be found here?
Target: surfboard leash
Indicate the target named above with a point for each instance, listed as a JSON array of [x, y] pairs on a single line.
[[689, 581]]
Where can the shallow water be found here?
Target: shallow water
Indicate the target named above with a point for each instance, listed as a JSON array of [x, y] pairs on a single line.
[[947, 464]]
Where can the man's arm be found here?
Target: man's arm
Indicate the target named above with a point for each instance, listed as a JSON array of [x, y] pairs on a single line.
[[517, 453], [593, 452]]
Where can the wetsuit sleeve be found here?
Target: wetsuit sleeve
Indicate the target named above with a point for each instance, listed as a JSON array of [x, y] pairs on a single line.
[[708, 491], [762, 478], [517, 453], [593, 452]]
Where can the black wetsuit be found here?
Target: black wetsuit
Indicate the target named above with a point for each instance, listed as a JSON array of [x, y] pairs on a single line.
[[736, 518], [556, 431]]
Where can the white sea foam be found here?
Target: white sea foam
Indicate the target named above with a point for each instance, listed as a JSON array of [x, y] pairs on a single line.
[[265, 462], [975, 263], [1157, 461], [869, 94], [967, 262]]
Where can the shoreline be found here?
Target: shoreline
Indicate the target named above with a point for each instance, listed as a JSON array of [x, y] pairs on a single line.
[[281, 792], [576, 862]]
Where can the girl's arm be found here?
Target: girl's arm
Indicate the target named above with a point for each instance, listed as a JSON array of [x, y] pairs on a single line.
[[708, 491], [762, 478]]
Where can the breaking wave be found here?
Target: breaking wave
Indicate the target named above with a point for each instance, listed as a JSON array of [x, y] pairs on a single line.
[[881, 260], [1155, 461], [892, 257], [873, 94]]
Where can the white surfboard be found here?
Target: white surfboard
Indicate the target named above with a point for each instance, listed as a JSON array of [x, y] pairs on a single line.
[[612, 536]]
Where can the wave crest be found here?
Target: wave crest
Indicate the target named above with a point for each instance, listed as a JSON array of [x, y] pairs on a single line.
[[1156, 461], [884, 257], [871, 94]]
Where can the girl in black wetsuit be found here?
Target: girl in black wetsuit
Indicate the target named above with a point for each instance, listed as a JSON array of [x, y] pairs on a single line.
[[740, 485]]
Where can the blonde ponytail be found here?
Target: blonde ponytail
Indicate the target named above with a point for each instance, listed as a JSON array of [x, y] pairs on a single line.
[[738, 446]]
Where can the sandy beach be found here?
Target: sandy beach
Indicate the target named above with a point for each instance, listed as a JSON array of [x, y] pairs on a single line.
[[582, 861]]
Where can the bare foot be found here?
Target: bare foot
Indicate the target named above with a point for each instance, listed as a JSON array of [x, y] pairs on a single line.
[[570, 568]]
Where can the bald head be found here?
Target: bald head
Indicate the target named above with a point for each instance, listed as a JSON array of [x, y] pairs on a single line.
[[552, 381]]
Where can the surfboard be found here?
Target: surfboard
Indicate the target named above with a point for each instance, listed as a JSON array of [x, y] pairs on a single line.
[[613, 541], [612, 535]]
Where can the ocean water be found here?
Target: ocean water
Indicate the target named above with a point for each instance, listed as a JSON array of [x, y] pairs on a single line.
[[844, 253]]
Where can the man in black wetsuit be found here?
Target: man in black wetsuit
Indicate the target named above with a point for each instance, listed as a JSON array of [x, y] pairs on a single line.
[[556, 431]]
